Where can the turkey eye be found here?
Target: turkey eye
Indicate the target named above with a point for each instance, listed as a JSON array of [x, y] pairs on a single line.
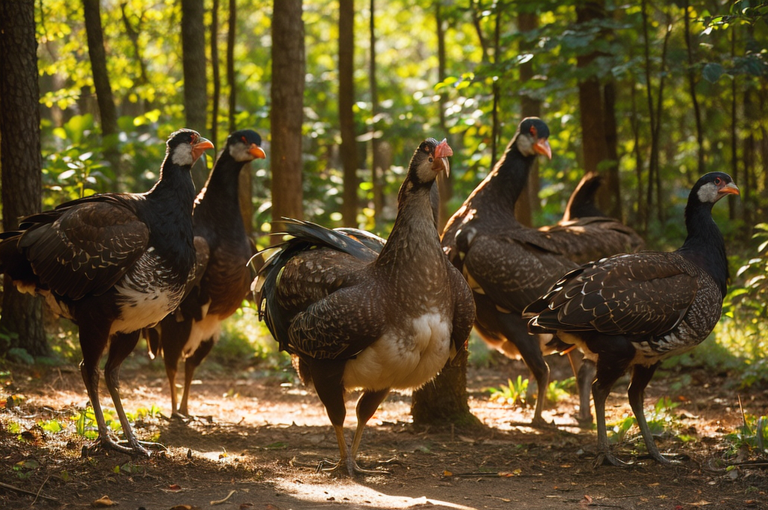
[[243, 139], [717, 180], [430, 159]]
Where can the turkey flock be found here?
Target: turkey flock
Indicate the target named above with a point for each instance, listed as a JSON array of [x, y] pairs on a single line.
[[357, 312]]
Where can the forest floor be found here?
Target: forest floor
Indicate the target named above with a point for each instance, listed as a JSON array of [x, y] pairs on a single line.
[[258, 437]]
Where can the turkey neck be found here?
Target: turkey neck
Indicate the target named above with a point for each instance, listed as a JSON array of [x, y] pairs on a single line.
[[169, 211], [412, 254], [499, 191], [220, 199], [704, 245]]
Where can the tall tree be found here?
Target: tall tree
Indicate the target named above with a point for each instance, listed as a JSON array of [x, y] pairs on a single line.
[[346, 113], [20, 157], [528, 204], [104, 97], [445, 184], [245, 179], [216, 74], [377, 170], [596, 153], [193, 58], [286, 115]]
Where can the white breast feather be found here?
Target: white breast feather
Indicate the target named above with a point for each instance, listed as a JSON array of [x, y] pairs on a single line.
[[406, 357]]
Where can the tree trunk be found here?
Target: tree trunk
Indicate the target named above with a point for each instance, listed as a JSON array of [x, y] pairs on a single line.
[[193, 58], [20, 158], [216, 74], [496, 87], [593, 135], [692, 88], [245, 179], [377, 170], [445, 185], [612, 179], [348, 149], [734, 120], [286, 116], [107, 109], [444, 400], [528, 204]]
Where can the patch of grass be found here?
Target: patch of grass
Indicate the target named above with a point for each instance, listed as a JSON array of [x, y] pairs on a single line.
[[660, 420], [751, 435], [560, 390], [511, 394]]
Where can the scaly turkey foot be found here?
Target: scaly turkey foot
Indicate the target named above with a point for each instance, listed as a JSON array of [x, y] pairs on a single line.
[[666, 460], [606, 458], [541, 423], [585, 421], [348, 468], [106, 444]]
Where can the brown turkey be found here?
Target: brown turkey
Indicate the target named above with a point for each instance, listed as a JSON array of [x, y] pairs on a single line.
[[585, 233], [114, 263], [222, 280], [635, 310], [507, 264], [355, 312]]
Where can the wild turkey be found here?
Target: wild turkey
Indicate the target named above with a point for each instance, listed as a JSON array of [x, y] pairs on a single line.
[[114, 264], [585, 233], [222, 278], [354, 317], [634, 310], [506, 264]]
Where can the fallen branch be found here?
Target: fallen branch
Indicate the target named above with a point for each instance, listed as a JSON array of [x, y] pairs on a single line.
[[24, 491], [223, 500]]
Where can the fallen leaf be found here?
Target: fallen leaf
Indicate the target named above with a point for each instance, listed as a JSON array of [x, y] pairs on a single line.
[[700, 503], [447, 473], [174, 487], [103, 502]]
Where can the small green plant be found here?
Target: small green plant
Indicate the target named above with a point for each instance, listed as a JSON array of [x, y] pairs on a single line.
[[559, 390], [660, 420], [25, 468], [85, 422], [752, 434], [511, 394], [52, 426]]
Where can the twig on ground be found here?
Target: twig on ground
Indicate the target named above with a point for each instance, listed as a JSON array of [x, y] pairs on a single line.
[[223, 500], [24, 491], [40, 490]]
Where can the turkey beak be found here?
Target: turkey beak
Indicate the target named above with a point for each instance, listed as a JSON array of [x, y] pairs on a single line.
[[441, 163], [202, 145], [542, 147], [729, 189], [256, 151]]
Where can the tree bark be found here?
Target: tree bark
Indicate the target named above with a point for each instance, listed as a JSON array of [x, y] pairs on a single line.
[[104, 97], [692, 88], [445, 185], [734, 120], [193, 58], [286, 116], [496, 87], [612, 179], [444, 400], [20, 158], [348, 149], [216, 74], [591, 107], [377, 170], [528, 204]]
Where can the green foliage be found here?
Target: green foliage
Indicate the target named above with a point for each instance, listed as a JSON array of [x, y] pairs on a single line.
[[752, 435], [560, 390], [660, 420], [52, 426], [512, 394]]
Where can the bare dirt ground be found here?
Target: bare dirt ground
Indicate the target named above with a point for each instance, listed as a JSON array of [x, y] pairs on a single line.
[[257, 439]]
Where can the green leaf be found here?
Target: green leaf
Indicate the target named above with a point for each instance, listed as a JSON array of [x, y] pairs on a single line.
[[712, 72]]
